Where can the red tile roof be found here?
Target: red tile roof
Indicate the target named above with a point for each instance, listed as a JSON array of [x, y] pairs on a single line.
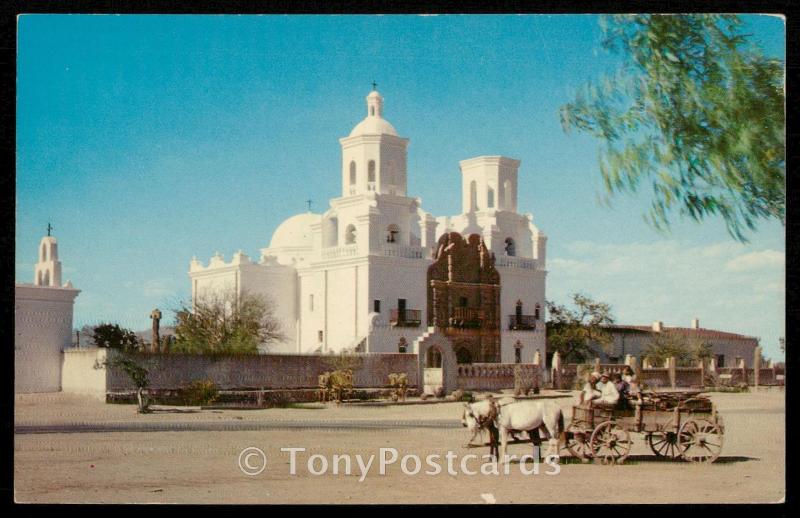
[[686, 331]]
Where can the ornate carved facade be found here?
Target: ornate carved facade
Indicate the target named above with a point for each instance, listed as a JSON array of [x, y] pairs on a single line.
[[464, 297]]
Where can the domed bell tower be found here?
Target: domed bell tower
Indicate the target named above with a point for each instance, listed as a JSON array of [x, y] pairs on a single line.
[[373, 156]]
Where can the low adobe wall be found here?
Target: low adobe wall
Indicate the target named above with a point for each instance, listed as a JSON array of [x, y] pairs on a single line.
[[263, 371]]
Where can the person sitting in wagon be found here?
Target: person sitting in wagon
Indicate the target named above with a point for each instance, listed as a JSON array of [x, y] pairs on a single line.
[[609, 395], [590, 391]]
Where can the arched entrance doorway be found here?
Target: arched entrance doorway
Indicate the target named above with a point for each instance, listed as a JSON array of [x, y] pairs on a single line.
[[463, 355], [433, 374]]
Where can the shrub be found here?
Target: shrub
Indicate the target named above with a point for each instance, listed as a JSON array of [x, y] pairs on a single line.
[[201, 392], [399, 383]]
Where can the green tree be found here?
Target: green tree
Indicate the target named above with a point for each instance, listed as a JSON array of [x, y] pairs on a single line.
[[138, 374], [221, 322], [115, 337], [576, 332], [687, 352], [697, 111]]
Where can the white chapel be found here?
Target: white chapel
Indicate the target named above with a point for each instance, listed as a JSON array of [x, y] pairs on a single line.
[[356, 277]]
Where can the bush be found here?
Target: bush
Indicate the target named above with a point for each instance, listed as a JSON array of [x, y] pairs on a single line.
[[399, 383], [199, 393], [523, 382]]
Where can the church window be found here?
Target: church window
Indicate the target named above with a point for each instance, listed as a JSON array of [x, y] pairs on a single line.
[[490, 198], [352, 173], [46, 281], [536, 311], [392, 232], [350, 235], [371, 171], [44, 253], [510, 248], [473, 196], [372, 110], [376, 306]]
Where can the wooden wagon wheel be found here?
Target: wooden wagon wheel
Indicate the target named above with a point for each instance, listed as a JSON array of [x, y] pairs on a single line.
[[578, 442], [610, 443], [700, 440], [664, 444]]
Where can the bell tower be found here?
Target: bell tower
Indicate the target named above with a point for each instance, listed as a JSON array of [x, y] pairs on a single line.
[[48, 269], [489, 183], [373, 156]]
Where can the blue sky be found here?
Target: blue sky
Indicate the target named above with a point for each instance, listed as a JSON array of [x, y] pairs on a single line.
[[149, 139]]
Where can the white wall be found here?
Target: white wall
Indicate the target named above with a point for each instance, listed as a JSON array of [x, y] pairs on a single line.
[[84, 371], [42, 328]]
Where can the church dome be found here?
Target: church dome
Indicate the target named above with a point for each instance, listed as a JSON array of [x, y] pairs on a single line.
[[374, 123], [295, 232], [373, 126]]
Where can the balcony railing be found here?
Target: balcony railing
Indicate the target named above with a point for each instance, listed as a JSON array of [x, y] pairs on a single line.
[[521, 322], [336, 252], [466, 317], [405, 317], [410, 252], [515, 262]]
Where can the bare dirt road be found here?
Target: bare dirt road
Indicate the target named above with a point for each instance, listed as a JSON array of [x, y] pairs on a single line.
[[204, 466]]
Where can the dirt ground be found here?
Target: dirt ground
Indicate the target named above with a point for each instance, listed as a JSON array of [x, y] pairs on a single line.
[[203, 466]]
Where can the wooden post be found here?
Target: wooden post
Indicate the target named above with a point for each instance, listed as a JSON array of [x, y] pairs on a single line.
[[757, 366], [671, 363], [555, 370], [743, 367], [633, 364], [702, 365]]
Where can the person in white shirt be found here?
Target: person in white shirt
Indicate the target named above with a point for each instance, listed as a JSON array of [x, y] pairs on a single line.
[[608, 392], [590, 389]]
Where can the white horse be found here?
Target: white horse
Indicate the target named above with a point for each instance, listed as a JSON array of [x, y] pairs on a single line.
[[530, 416], [476, 416]]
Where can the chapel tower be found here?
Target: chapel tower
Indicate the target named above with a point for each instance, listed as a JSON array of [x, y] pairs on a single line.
[[47, 271], [373, 156]]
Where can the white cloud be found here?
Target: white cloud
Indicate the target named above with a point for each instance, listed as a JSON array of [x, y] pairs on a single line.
[[727, 285], [156, 288], [756, 261]]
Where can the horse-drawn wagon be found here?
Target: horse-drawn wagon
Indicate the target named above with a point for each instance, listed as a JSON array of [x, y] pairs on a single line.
[[676, 425]]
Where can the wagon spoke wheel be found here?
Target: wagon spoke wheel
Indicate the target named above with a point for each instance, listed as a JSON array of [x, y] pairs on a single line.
[[664, 444], [578, 442], [700, 441], [610, 443]]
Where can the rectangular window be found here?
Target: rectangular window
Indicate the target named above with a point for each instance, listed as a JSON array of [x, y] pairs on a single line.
[[319, 336], [720, 360], [376, 306], [518, 355]]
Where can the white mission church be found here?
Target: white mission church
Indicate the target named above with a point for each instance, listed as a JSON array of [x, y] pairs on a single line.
[[356, 277]]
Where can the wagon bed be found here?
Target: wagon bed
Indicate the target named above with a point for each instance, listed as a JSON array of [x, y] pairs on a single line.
[[676, 425]]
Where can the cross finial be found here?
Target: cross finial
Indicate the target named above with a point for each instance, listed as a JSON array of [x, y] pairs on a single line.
[[309, 204], [374, 85], [49, 228]]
